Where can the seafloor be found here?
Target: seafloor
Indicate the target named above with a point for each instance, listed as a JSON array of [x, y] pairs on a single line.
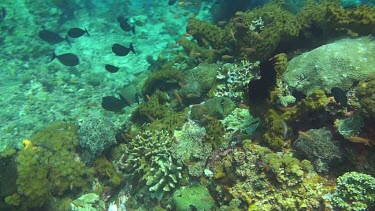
[[221, 105]]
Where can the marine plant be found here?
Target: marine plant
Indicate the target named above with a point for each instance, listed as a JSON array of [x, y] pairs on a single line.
[[194, 197]]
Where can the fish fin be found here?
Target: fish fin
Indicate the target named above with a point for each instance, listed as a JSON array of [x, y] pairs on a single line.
[[67, 40], [123, 100], [87, 32], [53, 57], [133, 29], [131, 47]]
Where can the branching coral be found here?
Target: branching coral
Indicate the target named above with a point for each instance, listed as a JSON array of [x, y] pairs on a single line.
[[233, 78], [149, 162]]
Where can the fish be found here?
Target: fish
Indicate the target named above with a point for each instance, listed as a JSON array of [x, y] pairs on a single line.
[[44, 146], [171, 2], [284, 126], [77, 32], [339, 96], [120, 50], [111, 103], [67, 59], [52, 37], [3, 14], [124, 24], [111, 68]]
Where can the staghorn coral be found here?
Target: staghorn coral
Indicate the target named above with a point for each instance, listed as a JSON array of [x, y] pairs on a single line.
[[149, 163]]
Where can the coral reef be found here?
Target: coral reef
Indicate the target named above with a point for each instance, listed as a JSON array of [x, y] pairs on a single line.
[[354, 21], [50, 162], [149, 163], [232, 79], [199, 81], [240, 119], [194, 197], [263, 180], [354, 191], [324, 68], [350, 126], [89, 201], [95, 136], [191, 149], [318, 146], [217, 107], [365, 92], [164, 80]]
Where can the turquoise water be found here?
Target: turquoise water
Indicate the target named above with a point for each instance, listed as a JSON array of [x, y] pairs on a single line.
[[187, 105]]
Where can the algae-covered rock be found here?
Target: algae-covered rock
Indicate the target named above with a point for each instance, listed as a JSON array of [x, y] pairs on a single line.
[[365, 91], [193, 198], [319, 147], [338, 64]]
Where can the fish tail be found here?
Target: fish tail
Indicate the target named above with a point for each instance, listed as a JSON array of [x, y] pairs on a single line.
[[131, 47], [87, 32], [53, 57], [133, 29], [67, 40]]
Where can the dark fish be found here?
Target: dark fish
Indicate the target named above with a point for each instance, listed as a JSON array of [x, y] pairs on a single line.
[[3, 14], [44, 146], [67, 59], [120, 50], [115, 104], [52, 37], [340, 96], [77, 32], [171, 2], [124, 24], [111, 68]]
